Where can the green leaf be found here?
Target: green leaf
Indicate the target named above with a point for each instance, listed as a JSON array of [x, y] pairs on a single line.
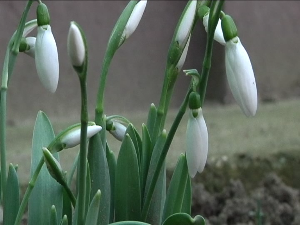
[[67, 207], [187, 199], [112, 164], [155, 211], [53, 216], [12, 197], [100, 178], [146, 155], [88, 187], [47, 191], [136, 140], [130, 223], [64, 220], [184, 219], [176, 191], [93, 211], [151, 119], [127, 187]]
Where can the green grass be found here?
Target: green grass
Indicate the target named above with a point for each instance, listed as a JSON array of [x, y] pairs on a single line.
[[274, 129]]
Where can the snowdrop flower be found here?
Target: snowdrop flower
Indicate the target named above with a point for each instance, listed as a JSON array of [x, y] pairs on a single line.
[[218, 36], [72, 138], [76, 47], [183, 31], [196, 142], [134, 19], [46, 56], [30, 41], [183, 55], [118, 131], [240, 76]]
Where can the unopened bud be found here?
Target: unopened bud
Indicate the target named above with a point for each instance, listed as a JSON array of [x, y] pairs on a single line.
[[76, 47]]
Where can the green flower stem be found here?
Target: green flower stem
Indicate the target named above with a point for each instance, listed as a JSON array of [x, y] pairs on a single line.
[[8, 66], [163, 155], [28, 191], [82, 153], [215, 13]]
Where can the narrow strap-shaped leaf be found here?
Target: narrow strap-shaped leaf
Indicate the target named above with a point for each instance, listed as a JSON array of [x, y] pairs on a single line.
[[184, 219], [130, 223], [88, 187], [133, 135], [93, 211], [53, 216], [12, 197], [47, 191], [127, 186], [64, 220], [146, 155], [112, 164], [100, 178], [176, 190], [154, 160], [67, 207], [187, 199], [158, 199], [151, 119]]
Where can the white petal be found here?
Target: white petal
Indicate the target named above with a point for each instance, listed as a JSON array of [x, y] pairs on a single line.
[[197, 144], [185, 26], [240, 76], [76, 48], [46, 58], [73, 138], [119, 131], [218, 36], [134, 18], [31, 42], [183, 55]]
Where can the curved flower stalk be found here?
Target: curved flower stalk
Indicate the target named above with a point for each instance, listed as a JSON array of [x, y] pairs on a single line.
[[218, 36], [239, 70], [134, 19], [46, 56], [76, 47], [118, 130], [196, 142]]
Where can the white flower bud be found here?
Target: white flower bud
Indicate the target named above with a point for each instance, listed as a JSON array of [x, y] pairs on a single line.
[[118, 131], [196, 143], [72, 138], [134, 18], [240, 76], [218, 36], [76, 48], [31, 43], [46, 58], [186, 23], [183, 55]]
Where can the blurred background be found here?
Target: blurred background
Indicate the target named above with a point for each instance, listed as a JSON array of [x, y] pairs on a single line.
[[268, 30]]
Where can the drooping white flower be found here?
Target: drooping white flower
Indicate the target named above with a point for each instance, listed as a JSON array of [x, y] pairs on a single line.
[[240, 76], [186, 23], [76, 48], [218, 36], [183, 55], [196, 143], [72, 138], [134, 18], [31, 43], [118, 131], [46, 58]]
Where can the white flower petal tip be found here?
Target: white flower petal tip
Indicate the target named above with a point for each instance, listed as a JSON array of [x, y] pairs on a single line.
[[46, 58], [183, 55], [196, 143], [118, 131], [134, 18], [31, 42], [76, 48], [218, 36], [73, 138], [240, 76], [185, 26]]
